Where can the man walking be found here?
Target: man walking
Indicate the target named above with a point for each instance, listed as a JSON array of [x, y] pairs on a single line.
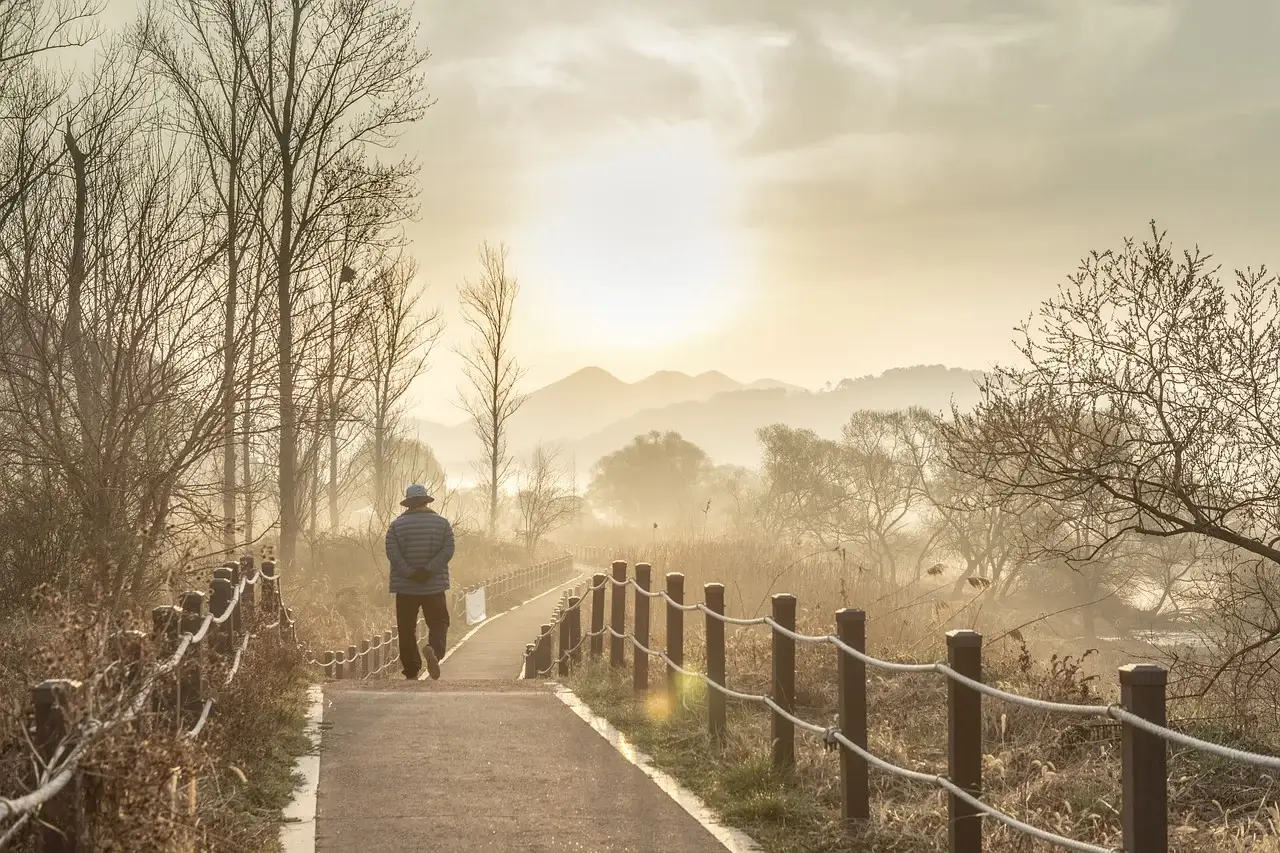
[[419, 547]]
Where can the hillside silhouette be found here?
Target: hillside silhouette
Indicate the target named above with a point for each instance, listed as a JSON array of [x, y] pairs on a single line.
[[591, 412]]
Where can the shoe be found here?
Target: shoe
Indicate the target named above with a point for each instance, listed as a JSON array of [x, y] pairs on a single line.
[[433, 662], [411, 676]]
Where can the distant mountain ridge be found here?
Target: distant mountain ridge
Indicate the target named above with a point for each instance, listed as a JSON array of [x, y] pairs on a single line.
[[591, 412]]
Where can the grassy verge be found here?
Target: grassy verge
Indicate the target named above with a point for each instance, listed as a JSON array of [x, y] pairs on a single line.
[[251, 753], [1051, 772], [786, 812]]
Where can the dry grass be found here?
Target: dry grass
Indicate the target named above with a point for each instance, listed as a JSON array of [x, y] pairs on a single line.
[[145, 787], [1052, 772]]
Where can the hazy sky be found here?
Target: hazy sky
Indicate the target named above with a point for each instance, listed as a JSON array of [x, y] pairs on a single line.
[[812, 189]]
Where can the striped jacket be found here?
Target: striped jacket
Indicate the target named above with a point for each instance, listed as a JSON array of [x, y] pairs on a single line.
[[419, 547]]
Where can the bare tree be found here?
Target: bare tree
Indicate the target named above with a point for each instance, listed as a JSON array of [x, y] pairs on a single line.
[[333, 79], [493, 375], [1149, 389], [401, 337], [106, 378], [32, 102], [545, 496], [193, 51]]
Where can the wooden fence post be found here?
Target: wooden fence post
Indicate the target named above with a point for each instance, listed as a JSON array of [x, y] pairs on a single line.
[[393, 651], [364, 658], [562, 651], [328, 661], [543, 663], [248, 600], [531, 661], [59, 817], [618, 615], [713, 597], [675, 635], [222, 640], [640, 629], [237, 616], [1144, 757], [191, 682], [598, 582], [855, 786], [339, 665], [166, 621], [964, 741], [575, 629], [230, 628], [784, 682], [353, 667], [270, 591]]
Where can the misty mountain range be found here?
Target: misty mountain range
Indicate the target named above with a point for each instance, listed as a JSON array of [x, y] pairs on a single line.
[[591, 413]]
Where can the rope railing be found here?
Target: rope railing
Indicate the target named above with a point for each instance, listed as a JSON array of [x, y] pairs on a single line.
[[1141, 712], [173, 686]]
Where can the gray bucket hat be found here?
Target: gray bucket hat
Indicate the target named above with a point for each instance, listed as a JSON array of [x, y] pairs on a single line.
[[416, 495]]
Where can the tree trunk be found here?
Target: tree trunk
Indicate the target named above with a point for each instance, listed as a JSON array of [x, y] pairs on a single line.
[[333, 469], [229, 370], [245, 474], [288, 462]]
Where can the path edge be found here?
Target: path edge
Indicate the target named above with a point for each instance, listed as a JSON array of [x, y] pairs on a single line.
[[733, 840], [298, 831]]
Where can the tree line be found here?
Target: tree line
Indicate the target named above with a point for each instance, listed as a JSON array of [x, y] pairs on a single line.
[[1128, 456], [210, 319]]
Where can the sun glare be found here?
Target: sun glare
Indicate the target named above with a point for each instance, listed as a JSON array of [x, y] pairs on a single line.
[[632, 245]]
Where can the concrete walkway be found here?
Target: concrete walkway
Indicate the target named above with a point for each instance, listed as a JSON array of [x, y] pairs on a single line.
[[479, 761]]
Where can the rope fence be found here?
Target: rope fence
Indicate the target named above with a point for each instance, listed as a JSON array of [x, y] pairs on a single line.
[[244, 603], [1141, 712]]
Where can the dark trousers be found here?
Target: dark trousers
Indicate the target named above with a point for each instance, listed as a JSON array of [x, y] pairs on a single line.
[[435, 609]]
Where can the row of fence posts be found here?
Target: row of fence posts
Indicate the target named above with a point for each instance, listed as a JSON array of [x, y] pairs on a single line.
[[180, 694], [373, 654], [1144, 810]]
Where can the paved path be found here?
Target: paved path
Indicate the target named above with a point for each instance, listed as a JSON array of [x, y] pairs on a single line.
[[479, 761]]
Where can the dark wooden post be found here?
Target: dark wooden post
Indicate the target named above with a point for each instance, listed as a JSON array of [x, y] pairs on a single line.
[[191, 682], [248, 599], [598, 582], [166, 622], [353, 666], [855, 786], [225, 573], [562, 652], [237, 618], [713, 597], [364, 658], [784, 682], [640, 663], [675, 635], [339, 665], [964, 741], [544, 651], [59, 817], [531, 661], [270, 591], [393, 651], [575, 629], [1144, 775], [328, 661], [618, 615], [221, 640]]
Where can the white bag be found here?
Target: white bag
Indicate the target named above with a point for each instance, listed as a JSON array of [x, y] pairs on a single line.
[[475, 607]]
